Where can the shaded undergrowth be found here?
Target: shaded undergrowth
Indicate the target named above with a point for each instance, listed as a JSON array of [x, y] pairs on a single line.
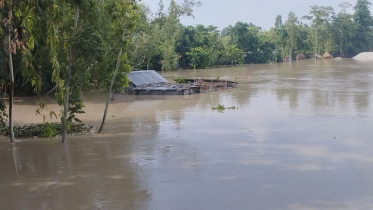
[[45, 130]]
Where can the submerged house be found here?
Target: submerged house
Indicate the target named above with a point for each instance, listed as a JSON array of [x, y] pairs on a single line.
[[140, 78], [151, 83]]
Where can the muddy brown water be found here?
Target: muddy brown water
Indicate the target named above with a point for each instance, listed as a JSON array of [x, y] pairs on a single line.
[[301, 138]]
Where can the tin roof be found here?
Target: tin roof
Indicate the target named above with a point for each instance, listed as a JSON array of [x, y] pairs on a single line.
[[145, 77]]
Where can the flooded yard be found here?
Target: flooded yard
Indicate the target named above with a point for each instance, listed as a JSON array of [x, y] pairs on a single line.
[[301, 138]]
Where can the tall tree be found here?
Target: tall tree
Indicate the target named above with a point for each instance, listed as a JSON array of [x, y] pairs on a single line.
[[76, 8], [291, 27], [22, 20], [278, 23], [245, 37], [364, 22], [125, 15], [143, 45], [343, 29], [319, 15], [171, 31]]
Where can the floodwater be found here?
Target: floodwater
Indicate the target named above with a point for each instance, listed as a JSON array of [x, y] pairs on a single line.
[[301, 138]]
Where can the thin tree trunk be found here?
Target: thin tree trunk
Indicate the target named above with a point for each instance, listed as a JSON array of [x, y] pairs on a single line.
[[316, 45], [11, 131], [111, 86], [147, 66], [14, 151], [49, 92], [67, 82], [82, 94]]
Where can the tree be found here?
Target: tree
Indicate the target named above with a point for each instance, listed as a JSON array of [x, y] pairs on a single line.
[[199, 57], [280, 36], [363, 20], [144, 44], [232, 55], [76, 7], [278, 23], [292, 32], [11, 48], [20, 29], [172, 30], [319, 15], [304, 41], [125, 16], [343, 29]]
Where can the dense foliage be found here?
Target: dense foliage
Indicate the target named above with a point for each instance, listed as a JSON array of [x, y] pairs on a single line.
[[168, 45], [70, 46]]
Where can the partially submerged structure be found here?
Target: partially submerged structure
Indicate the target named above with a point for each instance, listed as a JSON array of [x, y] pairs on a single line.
[[327, 56], [286, 59], [152, 83], [301, 57], [364, 56]]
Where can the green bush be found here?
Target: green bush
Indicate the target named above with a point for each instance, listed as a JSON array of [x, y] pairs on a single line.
[[222, 107], [218, 107], [180, 80], [3, 115], [44, 130]]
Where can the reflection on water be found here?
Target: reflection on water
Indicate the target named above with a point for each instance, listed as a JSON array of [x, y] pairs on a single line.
[[300, 139], [86, 173]]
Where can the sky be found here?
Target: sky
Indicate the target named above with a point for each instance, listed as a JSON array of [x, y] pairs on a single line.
[[262, 13]]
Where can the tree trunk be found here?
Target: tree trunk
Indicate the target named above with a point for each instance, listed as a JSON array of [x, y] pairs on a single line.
[[82, 95], [67, 82], [147, 66], [49, 92], [11, 131], [340, 51], [316, 45], [111, 86]]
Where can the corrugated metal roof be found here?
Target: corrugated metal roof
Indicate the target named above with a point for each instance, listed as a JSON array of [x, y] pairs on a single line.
[[145, 77]]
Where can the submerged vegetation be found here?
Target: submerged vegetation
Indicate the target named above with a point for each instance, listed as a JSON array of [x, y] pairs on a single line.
[[65, 47], [219, 107], [46, 130], [180, 80], [222, 107]]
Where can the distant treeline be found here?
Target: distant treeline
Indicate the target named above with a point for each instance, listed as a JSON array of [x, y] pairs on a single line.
[[168, 45]]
